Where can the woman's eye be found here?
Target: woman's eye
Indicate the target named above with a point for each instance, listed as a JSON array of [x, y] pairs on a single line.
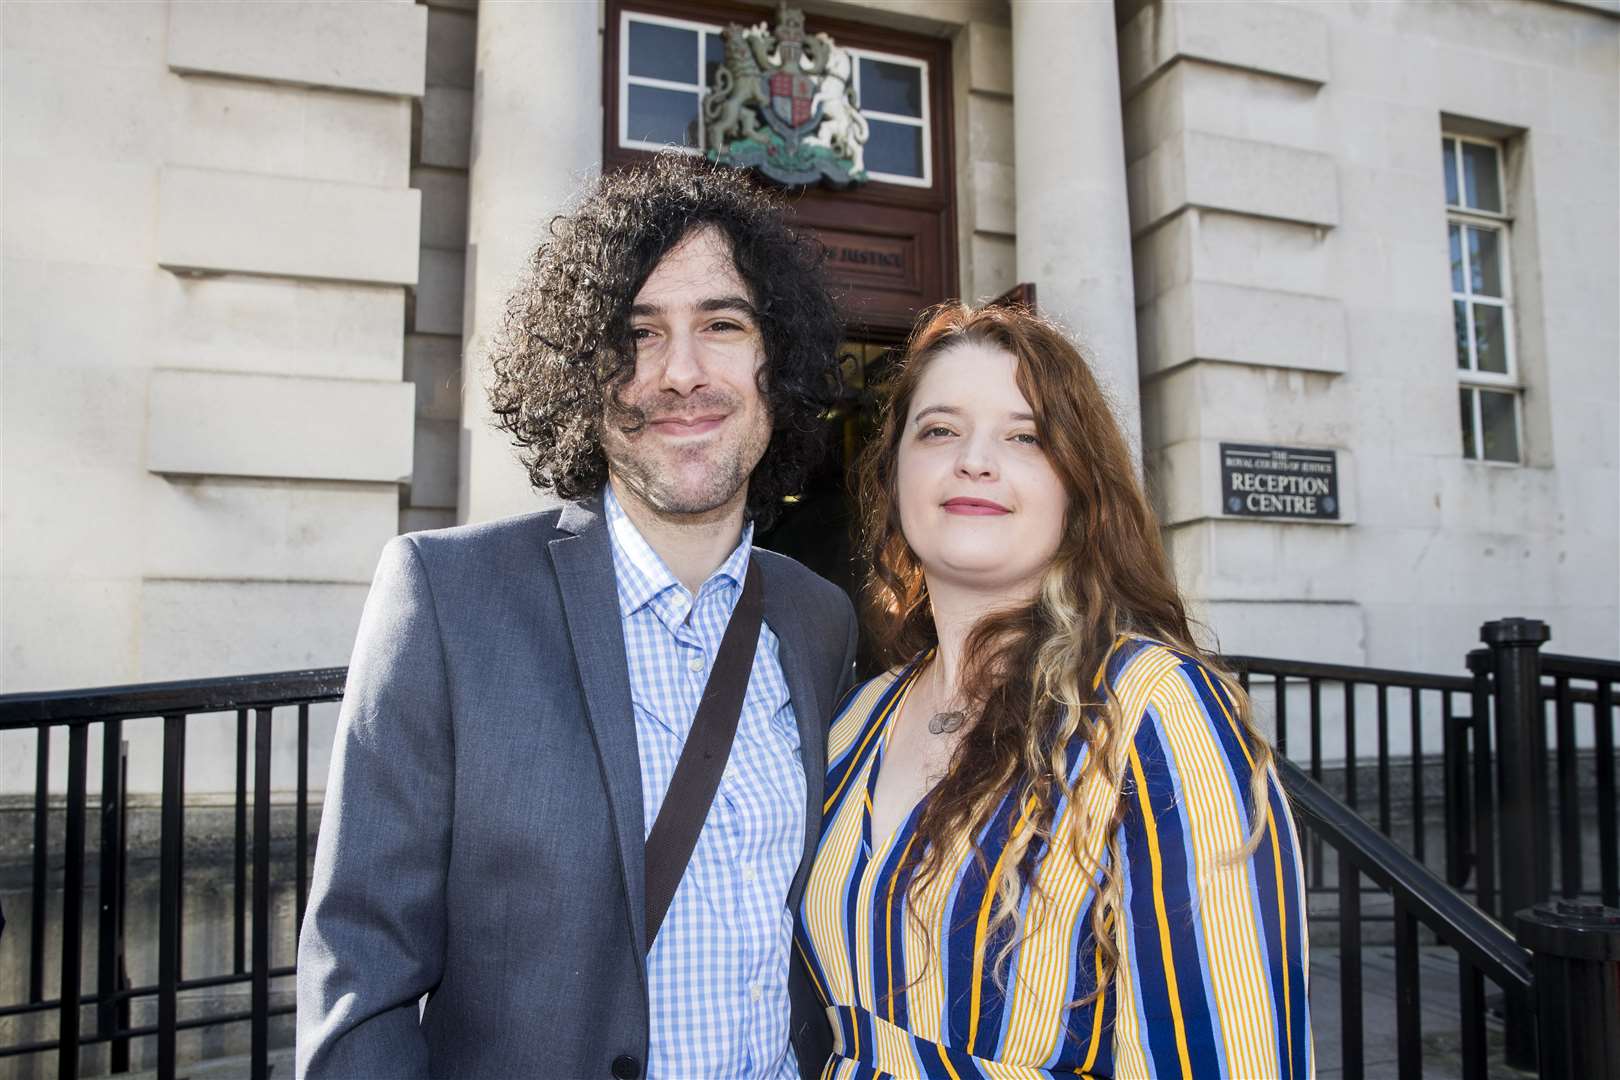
[[641, 333], [1027, 438], [935, 432]]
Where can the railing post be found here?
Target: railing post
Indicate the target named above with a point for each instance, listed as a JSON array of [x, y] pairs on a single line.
[[1576, 961], [1521, 784]]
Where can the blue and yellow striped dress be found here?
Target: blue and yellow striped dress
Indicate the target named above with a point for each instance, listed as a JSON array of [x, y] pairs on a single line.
[[1212, 979]]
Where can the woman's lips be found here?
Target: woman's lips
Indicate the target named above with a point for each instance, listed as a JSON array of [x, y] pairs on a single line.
[[974, 507]]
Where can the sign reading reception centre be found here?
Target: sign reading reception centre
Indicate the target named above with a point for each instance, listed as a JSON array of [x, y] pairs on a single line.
[[1279, 481]]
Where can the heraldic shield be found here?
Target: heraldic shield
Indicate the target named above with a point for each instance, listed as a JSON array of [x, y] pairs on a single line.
[[802, 88]]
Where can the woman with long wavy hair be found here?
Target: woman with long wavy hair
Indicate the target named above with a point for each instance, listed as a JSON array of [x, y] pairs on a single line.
[[1054, 843]]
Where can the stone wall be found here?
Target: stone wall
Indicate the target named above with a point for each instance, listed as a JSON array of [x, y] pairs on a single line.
[[209, 236], [1292, 288]]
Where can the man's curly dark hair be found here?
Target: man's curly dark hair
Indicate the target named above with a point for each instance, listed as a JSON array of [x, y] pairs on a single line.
[[565, 348]]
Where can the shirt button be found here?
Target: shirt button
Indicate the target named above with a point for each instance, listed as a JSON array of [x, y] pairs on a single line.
[[695, 664], [755, 992], [748, 872]]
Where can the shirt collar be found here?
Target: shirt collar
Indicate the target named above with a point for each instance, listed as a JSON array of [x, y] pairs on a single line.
[[642, 575]]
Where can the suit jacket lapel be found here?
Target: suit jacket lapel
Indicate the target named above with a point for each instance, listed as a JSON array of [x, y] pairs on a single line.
[[788, 627], [584, 566]]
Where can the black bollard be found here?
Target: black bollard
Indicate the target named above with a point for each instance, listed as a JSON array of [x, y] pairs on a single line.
[[1576, 960]]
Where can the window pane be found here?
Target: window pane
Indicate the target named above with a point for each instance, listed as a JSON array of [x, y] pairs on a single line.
[[1479, 175], [1459, 318], [1466, 397], [1484, 262], [1448, 152], [663, 52], [1490, 344], [1455, 232], [894, 148], [891, 88], [1501, 423], [663, 116], [714, 54]]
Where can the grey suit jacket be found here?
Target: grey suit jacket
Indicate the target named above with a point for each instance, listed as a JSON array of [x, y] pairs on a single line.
[[482, 838]]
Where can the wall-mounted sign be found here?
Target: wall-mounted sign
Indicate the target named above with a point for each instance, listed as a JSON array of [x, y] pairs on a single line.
[[1279, 481], [801, 88]]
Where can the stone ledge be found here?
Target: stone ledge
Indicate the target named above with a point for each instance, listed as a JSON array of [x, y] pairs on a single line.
[[378, 48], [1217, 172], [246, 223], [1268, 38], [226, 424], [1236, 324]]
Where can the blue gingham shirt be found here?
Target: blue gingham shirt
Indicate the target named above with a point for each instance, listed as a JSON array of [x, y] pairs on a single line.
[[717, 973]]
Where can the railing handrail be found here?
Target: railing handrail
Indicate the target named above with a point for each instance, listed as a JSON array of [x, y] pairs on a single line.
[[29, 710], [1580, 667], [1309, 669], [1480, 939]]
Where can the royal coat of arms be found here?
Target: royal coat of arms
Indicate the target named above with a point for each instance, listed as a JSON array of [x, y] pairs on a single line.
[[802, 88]]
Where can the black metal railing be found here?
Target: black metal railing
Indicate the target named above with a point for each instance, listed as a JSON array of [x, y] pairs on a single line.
[[1484, 949], [1506, 738], [1339, 702], [115, 989]]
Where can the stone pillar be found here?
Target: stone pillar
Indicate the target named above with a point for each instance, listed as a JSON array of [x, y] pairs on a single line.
[[1073, 218], [537, 139]]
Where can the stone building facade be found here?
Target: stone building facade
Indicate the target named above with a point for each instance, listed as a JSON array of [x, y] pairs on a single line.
[[253, 253]]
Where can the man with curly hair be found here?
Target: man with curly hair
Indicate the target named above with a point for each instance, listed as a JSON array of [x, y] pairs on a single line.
[[522, 690]]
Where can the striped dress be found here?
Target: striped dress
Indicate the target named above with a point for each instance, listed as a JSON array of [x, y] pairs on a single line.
[[1212, 979]]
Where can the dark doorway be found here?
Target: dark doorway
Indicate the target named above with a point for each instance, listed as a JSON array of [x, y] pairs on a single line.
[[820, 527]]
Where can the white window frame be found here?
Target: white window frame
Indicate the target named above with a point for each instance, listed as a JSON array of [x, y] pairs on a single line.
[[925, 121], [1499, 222], [627, 80]]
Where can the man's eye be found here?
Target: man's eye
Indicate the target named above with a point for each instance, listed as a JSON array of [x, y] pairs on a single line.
[[725, 325], [641, 333]]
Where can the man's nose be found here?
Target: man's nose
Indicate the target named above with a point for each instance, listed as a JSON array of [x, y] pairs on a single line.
[[684, 369]]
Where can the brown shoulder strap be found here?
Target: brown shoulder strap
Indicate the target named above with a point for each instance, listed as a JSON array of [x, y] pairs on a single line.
[[697, 775]]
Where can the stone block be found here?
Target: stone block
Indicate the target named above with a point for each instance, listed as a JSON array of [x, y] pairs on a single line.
[[220, 221], [990, 130], [56, 109], [193, 629], [452, 43], [433, 366], [434, 472], [1241, 403], [217, 424], [1218, 173], [992, 269], [1273, 38], [1195, 96], [280, 326], [70, 631], [990, 58], [278, 130], [1235, 559], [1331, 632], [444, 122], [1233, 249], [1186, 485], [444, 207], [994, 209], [41, 306], [240, 529], [379, 47], [69, 212], [85, 36], [1234, 324], [439, 292]]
